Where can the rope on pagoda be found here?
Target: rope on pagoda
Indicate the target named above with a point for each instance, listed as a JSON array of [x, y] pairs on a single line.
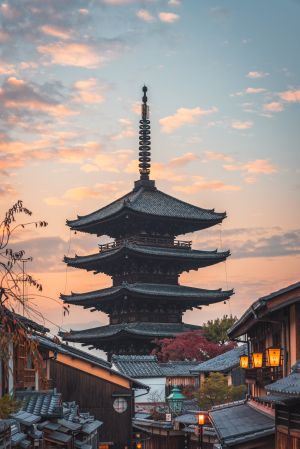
[[144, 140]]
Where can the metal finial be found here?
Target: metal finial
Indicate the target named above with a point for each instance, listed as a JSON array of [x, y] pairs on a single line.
[[144, 139]]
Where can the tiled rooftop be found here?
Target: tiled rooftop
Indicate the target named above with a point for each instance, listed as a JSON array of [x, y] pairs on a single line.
[[240, 423], [150, 202], [289, 385], [223, 362]]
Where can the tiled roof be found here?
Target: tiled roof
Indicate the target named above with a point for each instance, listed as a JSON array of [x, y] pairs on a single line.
[[139, 329], [138, 365], [289, 385], [196, 257], [46, 404], [259, 304], [148, 366], [151, 202], [148, 290], [178, 368], [240, 423], [223, 362]]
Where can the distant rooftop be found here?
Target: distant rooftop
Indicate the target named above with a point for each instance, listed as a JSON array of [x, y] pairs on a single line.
[[223, 362]]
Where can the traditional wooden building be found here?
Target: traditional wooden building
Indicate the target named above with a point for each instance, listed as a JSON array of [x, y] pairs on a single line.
[[144, 260]]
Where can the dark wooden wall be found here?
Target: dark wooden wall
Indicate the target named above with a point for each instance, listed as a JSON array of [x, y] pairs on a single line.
[[94, 395]]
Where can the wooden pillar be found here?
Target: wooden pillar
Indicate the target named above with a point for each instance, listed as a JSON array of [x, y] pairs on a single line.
[[11, 369]]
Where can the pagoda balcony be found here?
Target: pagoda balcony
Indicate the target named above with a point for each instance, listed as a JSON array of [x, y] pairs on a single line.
[[147, 241]]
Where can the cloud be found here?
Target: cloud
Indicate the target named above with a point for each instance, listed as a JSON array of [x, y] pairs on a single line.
[[238, 124], [255, 75], [21, 98], [117, 2], [254, 90], [274, 106], [88, 91], [290, 96], [183, 160], [127, 131], [184, 116], [217, 156], [113, 162], [258, 166], [53, 31], [73, 54], [6, 190], [81, 193], [145, 15], [199, 183], [168, 17], [253, 242], [174, 2]]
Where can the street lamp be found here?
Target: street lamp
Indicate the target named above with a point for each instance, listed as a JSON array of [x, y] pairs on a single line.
[[175, 401], [257, 360], [244, 361], [273, 357], [201, 418]]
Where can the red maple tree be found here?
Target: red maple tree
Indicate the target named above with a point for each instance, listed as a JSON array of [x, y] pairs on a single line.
[[192, 345]]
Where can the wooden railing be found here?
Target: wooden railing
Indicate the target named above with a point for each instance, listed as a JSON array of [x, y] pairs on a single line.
[[147, 241]]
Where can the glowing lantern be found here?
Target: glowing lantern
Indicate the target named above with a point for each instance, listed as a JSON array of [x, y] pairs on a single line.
[[257, 359], [244, 361], [273, 356], [201, 419]]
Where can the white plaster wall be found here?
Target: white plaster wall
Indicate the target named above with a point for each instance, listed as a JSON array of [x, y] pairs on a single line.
[[157, 390]]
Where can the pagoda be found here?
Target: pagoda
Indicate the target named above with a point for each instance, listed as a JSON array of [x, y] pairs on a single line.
[[144, 260]]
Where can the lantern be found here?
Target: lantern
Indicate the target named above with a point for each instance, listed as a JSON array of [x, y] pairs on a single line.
[[175, 401], [257, 360], [244, 361], [201, 419], [273, 356]]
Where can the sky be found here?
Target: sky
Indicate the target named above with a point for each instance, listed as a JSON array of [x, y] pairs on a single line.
[[224, 96]]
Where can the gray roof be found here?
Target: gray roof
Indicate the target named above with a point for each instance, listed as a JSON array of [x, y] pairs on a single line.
[[140, 329], [253, 310], [138, 365], [166, 291], [223, 362], [187, 419], [196, 257], [47, 404], [178, 368], [289, 385], [151, 202], [240, 423], [149, 366]]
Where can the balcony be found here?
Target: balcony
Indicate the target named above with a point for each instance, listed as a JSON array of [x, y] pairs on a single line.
[[263, 376], [147, 241]]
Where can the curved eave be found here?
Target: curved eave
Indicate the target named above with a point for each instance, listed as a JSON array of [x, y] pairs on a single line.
[[117, 331], [185, 224], [191, 259], [105, 297]]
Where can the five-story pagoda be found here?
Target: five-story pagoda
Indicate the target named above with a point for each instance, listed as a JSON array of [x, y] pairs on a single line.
[[144, 261]]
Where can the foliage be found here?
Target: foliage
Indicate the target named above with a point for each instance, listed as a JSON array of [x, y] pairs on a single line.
[[216, 330], [191, 345], [215, 391], [13, 328], [8, 405]]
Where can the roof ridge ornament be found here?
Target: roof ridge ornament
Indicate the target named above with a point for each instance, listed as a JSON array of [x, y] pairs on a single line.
[[144, 139]]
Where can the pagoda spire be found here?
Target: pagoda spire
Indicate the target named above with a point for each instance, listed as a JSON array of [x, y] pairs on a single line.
[[144, 140]]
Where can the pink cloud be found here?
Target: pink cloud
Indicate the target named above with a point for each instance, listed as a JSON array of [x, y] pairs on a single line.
[[263, 166], [238, 124], [168, 17], [183, 160], [255, 90], [56, 32], [274, 106], [88, 91], [217, 156], [200, 183], [145, 15], [184, 116], [73, 54], [255, 74], [290, 96]]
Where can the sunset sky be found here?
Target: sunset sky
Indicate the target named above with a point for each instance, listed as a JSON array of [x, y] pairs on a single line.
[[224, 95]]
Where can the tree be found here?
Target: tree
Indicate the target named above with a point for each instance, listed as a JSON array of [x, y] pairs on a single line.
[[215, 391], [216, 330], [191, 345], [13, 328]]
